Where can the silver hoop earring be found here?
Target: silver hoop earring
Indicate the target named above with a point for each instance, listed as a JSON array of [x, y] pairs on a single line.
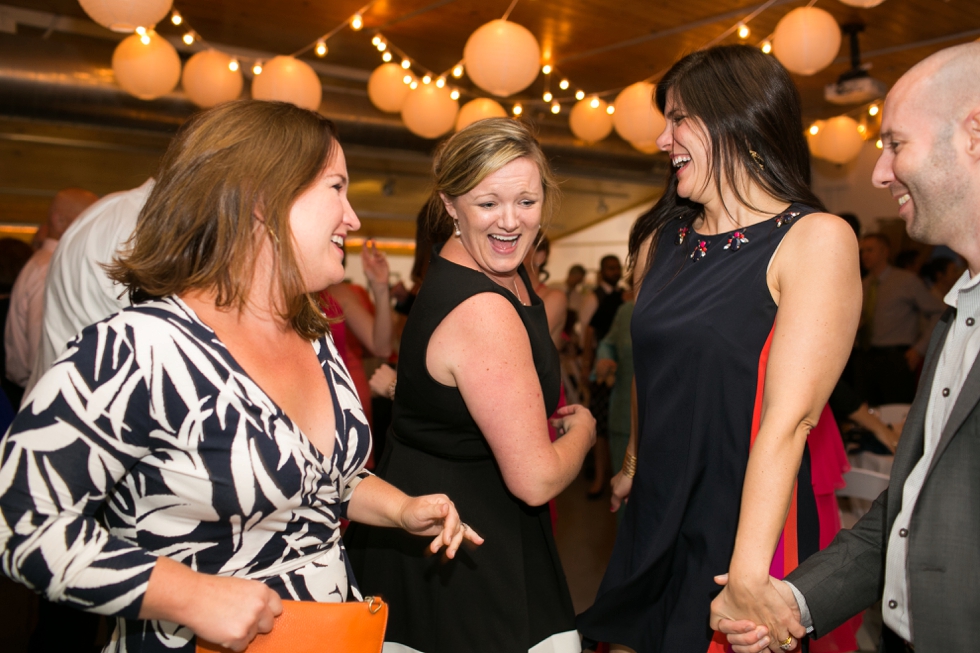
[[456, 227]]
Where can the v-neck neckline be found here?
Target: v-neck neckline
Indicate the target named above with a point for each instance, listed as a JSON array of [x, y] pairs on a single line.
[[233, 364]]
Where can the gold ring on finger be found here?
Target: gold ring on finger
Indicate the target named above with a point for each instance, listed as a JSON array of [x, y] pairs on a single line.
[[787, 644]]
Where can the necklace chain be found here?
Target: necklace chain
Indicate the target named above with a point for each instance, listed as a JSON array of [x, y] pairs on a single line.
[[518, 292]]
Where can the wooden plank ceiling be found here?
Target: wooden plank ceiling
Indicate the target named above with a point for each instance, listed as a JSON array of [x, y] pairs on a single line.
[[598, 45]]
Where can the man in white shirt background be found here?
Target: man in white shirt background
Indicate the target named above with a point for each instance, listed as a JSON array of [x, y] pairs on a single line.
[[78, 291], [23, 329], [918, 549]]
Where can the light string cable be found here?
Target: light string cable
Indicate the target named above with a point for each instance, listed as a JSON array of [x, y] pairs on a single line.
[[356, 16], [724, 35]]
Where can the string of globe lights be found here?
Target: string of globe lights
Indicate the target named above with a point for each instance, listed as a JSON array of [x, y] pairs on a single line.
[[430, 109]]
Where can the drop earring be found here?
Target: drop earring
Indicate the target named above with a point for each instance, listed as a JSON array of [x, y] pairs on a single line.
[[456, 228]]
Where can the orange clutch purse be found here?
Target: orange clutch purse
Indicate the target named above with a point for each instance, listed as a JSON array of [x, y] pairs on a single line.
[[309, 627]]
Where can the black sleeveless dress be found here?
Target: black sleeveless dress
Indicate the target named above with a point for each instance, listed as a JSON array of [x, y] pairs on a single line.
[[508, 595], [701, 331]]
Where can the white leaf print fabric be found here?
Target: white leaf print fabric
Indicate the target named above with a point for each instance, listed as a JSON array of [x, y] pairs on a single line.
[[146, 439]]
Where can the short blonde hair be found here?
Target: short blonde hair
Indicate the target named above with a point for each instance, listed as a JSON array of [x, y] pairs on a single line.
[[197, 229], [483, 148]]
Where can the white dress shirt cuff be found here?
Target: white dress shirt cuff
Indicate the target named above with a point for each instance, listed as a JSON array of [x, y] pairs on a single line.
[[805, 619]]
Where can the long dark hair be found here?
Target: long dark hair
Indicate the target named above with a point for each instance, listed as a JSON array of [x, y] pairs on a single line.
[[748, 104]]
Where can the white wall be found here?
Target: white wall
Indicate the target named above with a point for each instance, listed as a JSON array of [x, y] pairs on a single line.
[[848, 189], [588, 246]]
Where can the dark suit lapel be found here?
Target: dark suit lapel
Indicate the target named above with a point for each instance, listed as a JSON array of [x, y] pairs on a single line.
[[965, 403], [911, 444]]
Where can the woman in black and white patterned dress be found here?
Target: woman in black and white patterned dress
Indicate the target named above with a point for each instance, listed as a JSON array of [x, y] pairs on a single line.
[[186, 463]]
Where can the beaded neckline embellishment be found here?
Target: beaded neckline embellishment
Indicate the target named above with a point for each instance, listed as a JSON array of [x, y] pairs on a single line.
[[734, 242]]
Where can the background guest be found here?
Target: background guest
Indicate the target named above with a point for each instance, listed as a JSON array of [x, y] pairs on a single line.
[[23, 329], [891, 339]]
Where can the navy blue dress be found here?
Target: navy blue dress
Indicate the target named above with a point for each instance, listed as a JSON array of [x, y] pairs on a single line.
[[700, 330]]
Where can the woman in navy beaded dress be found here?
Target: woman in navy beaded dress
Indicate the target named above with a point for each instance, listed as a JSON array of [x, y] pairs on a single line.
[[747, 305]]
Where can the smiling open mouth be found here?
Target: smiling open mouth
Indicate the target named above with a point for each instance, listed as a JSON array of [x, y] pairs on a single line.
[[680, 161]]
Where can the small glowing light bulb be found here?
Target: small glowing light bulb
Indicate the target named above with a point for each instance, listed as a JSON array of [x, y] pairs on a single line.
[[414, 85], [767, 46], [873, 110], [407, 79], [176, 18], [563, 85], [427, 79], [145, 39], [879, 144], [189, 38], [743, 31], [386, 57], [233, 65], [579, 95], [518, 109], [454, 95], [406, 64], [610, 109], [440, 82], [814, 130], [321, 48], [458, 72], [594, 103], [141, 30], [555, 107], [546, 69], [376, 41], [862, 129], [382, 46], [547, 96], [356, 22], [257, 68]]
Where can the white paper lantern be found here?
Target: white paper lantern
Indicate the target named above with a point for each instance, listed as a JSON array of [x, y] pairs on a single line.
[[287, 79], [806, 40], [502, 58], [126, 15], [479, 109], [637, 120], [863, 4], [146, 70], [429, 111], [386, 87], [590, 123], [813, 139], [839, 141], [647, 148], [208, 81]]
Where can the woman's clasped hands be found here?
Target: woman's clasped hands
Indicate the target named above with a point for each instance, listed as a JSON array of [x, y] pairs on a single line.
[[757, 616]]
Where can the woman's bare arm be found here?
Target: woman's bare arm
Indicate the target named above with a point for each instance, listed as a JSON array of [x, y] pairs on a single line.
[[482, 348], [815, 282]]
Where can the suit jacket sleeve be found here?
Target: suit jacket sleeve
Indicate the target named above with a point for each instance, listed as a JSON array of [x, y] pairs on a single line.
[[849, 575]]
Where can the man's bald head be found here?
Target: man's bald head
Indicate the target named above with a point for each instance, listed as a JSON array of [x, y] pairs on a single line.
[[65, 207], [944, 85]]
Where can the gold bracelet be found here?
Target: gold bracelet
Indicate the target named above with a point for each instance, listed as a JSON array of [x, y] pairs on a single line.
[[629, 465]]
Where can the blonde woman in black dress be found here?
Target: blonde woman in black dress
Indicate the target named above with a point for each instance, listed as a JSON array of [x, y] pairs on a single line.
[[477, 378]]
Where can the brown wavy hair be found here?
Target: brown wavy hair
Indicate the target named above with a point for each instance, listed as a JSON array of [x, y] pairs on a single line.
[[198, 230]]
